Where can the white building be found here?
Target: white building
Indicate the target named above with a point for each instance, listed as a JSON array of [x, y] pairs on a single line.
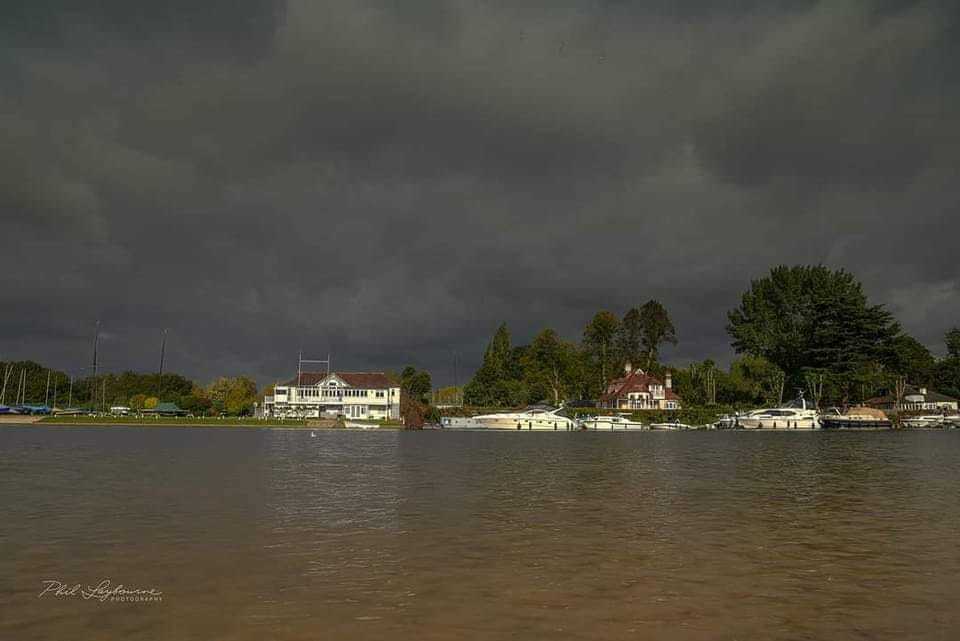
[[363, 395], [637, 390]]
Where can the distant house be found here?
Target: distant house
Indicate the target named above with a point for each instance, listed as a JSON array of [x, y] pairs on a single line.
[[363, 395], [164, 409], [915, 398], [637, 390]]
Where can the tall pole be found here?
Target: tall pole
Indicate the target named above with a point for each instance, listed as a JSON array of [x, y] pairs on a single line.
[[456, 387], [46, 395], [54, 392], [96, 342], [23, 386], [163, 349], [70, 399], [93, 383], [6, 377]]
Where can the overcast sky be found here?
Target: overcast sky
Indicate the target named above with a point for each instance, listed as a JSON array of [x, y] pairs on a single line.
[[388, 180]]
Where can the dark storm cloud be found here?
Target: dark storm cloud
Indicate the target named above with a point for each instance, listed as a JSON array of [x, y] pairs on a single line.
[[390, 180]]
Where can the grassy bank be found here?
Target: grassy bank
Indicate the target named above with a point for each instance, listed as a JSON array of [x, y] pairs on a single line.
[[144, 421]]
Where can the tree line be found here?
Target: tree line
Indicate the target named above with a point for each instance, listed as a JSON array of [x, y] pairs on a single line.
[[798, 329], [817, 332], [233, 396], [552, 369]]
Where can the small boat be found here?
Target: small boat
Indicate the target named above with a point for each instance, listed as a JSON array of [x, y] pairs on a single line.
[[313, 435], [675, 425], [31, 410], [929, 420], [855, 418], [69, 411], [725, 422], [356, 425], [615, 422]]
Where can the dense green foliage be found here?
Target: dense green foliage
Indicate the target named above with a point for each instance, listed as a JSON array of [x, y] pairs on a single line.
[[553, 370], [232, 396], [416, 384], [656, 328], [946, 372], [817, 326], [34, 377], [750, 381]]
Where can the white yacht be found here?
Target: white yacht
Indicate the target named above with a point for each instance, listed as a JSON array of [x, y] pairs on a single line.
[[796, 415], [930, 420], [675, 425], [614, 422], [532, 418]]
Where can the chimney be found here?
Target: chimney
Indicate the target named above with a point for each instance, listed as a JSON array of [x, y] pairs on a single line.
[[627, 368], [668, 381]]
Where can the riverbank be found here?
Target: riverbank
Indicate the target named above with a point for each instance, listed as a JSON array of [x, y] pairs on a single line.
[[135, 421]]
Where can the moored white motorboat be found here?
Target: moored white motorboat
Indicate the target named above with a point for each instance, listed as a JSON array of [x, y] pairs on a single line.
[[672, 426], [795, 415], [929, 420], [612, 422], [533, 418]]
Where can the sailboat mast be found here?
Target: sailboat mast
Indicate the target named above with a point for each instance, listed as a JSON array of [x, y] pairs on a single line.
[[163, 349], [6, 377], [96, 342]]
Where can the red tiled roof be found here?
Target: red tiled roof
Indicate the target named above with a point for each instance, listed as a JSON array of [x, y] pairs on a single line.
[[361, 380], [635, 381]]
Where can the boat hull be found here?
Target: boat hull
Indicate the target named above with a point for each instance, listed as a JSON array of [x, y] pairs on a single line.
[[603, 424], [552, 423], [843, 422], [805, 423]]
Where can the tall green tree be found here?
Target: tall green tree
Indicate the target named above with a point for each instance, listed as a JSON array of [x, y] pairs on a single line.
[[599, 345], [912, 359], [946, 372], [234, 396], [416, 384], [656, 328], [550, 366], [809, 318], [952, 339], [630, 338], [497, 381]]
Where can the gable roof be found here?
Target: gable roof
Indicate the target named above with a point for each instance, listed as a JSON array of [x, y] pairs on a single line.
[[910, 390], [635, 381], [361, 380]]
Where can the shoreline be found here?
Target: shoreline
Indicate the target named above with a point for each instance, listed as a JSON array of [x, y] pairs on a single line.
[[244, 426], [30, 421]]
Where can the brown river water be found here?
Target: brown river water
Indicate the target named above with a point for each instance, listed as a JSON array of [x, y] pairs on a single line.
[[271, 534]]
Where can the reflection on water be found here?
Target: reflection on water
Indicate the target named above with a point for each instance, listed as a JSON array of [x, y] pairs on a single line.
[[254, 534]]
